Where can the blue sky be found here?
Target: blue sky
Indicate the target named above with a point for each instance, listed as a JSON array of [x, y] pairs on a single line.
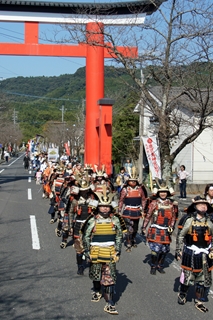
[[14, 66]]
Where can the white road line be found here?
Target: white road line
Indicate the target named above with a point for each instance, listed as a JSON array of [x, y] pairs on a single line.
[[29, 179], [29, 194], [1, 170], [174, 264], [14, 161], [34, 233]]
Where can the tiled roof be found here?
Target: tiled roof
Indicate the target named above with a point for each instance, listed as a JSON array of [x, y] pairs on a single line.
[[188, 99], [119, 8]]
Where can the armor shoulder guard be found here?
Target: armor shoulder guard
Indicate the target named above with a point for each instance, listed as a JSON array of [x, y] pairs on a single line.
[[83, 228], [122, 222], [182, 221], [174, 202]]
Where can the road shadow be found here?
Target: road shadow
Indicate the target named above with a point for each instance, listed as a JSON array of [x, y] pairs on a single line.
[[169, 259], [121, 284], [7, 179]]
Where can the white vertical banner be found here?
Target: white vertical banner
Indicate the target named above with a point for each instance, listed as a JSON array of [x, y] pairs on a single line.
[[153, 155]]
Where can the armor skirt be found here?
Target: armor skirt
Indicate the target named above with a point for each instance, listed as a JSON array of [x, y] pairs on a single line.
[[195, 262], [131, 213], [98, 273], [158, 235]]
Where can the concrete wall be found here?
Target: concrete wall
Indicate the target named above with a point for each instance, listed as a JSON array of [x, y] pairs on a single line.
[[193, 189]]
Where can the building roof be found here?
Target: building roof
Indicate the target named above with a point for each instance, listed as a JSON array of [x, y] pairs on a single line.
[[111, 8], [188, 101], [191, 99]]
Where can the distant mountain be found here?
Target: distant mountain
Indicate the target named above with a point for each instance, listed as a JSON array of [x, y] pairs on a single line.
[[39, 99], [67, 86]]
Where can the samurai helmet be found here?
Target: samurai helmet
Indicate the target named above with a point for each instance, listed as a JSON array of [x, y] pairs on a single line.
[[83, 181], [105, 199], [133, 176], [162, 186], [198, 199], [88, 168], [100, 173], [84, 184]]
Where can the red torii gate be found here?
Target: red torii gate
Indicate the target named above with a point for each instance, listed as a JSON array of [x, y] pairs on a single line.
[[98, 131]]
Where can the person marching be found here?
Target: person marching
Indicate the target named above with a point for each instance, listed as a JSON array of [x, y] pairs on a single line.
[[194, 247], [63, 200], [83, 211], [70, 210], [52, 209], [63, 159], [26, 161], [102, 241], [100, 179], [162, 213], [132, 203]]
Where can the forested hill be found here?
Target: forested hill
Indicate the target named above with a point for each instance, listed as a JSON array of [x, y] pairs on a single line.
[[37, 100], [67, 86]]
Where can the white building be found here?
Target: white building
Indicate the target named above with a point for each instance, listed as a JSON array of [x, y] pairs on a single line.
[[196, 156]]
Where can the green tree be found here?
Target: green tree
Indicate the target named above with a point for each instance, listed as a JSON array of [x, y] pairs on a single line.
[[125, 129]]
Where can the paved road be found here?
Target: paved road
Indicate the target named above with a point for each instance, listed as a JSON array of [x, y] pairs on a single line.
[[39, 281]]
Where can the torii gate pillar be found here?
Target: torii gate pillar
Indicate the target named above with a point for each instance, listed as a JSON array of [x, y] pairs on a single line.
[[104, 126], [94, 89]]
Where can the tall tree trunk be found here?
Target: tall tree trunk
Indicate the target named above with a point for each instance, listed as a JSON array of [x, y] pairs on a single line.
[[166, 159]]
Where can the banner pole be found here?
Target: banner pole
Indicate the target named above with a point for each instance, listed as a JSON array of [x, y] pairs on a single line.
[[150, 177]]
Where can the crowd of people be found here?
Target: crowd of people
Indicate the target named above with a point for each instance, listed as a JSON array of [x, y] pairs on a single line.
[[98, 216]]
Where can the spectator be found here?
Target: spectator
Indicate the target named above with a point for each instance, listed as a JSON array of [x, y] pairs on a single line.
[[121, 179], [6, 156], [128, 166], [182, 175]]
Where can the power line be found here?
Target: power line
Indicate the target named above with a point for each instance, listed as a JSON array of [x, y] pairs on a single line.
[[11, 30], [13, 37], [37, 97]]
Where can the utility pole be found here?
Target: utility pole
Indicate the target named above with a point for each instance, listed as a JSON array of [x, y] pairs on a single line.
[[62, 113], [63, 125], [141, 131], [15, 116], [83, 104]]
